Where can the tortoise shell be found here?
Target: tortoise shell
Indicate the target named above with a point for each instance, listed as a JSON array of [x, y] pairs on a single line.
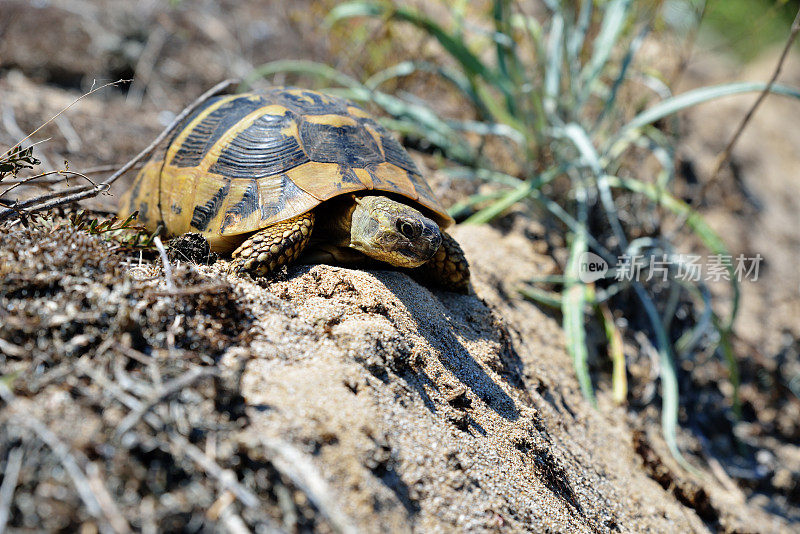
[[243, 162]]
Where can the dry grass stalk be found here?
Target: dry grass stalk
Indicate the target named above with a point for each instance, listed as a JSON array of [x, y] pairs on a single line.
[[64, 453], [726, 154], [13, 466], [74, 194], [54, 117]]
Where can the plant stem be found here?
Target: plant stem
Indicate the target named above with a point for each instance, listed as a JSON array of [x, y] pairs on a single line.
[[725, 154]]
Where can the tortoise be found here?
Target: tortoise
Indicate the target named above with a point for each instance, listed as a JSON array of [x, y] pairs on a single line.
[[267, 176]]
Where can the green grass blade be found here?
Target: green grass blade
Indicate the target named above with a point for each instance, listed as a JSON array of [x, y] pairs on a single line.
[[484, 174], [510, 68], [574, 296], [462, 207], [575, 42], [552, 5], [578, 136], [573, 224], [662, 150], [545, 298], [408, 68], [489, 128], [497, 111], [578, 36], [619, 378], [726, 346], [499, 8], [725, 343], [455, 46], [555, 51], [581, 140], [713, 242], [522, 191], [669, 379], [548, 279], [572, 309], [692, 98], [497, 208], [535, 97], [350, 10], [633, 48], [689, 340], [616, 13], [693, 219], [298, 66]]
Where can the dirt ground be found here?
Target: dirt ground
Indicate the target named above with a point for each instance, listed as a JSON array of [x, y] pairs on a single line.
[[332, 399]]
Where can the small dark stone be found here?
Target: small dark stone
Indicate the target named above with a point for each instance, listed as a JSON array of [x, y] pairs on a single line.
[[458, 399], [191, 247]]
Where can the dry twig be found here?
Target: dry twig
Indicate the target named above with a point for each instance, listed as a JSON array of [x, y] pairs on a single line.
[[74, 194], [167, 265], [54, 117], [170, 388], [226, 478], [19, 208], [146, 63], [298, 468], [64, 454], [63, 173], [117, 520], [687, 49], [213, 287], [6, 347], [10, 477], [46, 181], [11, 126], [726, 154]]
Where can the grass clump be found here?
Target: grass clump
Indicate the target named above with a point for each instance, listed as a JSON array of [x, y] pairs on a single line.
[[590, 147], [125, 234]]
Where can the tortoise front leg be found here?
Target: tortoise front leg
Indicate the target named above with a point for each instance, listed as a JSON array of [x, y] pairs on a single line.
[[448, 269], [269, 249]]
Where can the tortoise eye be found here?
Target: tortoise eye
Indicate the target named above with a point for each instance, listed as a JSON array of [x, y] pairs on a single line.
[[408, 229]]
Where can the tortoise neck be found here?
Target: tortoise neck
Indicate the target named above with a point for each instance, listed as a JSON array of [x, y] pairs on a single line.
[[337, 214]]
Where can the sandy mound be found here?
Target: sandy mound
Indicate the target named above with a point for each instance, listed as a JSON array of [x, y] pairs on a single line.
[[431, 412], [328, 399]]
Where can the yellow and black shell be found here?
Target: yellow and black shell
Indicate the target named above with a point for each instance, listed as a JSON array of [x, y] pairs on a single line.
[[243, 162]]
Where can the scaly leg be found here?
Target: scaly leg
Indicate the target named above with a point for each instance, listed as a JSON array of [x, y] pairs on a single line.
[[448, 269], [269, 249]]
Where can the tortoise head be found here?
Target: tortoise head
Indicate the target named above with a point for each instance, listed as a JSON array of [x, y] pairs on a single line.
[[393, 232]]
